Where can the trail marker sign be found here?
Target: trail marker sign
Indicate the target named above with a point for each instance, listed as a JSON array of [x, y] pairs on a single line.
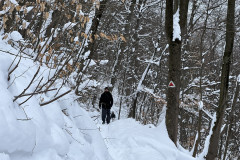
[[171, 84]]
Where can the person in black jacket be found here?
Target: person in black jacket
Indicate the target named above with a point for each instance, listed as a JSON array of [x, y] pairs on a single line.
[[106, 102]]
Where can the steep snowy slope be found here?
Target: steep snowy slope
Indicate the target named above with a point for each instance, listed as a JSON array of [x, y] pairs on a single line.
[[34, 132]]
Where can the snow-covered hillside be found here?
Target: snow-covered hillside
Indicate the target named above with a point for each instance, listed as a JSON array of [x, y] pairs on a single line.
[[34, 132], [63, 130]]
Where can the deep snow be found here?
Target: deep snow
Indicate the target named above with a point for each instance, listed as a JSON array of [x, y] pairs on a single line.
[[32, 132], [63, 130], [127, 139]]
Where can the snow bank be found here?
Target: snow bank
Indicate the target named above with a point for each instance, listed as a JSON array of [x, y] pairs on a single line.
[[58, 131], [129, 140]]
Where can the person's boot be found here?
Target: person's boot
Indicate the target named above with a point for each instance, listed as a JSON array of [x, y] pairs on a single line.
[[103, 122]]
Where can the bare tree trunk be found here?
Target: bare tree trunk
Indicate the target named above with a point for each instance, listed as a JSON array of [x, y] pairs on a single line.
[[123, 45], [231, 117], [183, 16], [199, 134], [200, 82], [193, 13], [133, 109], [93, 30], [173, 75], [121, 99], [230, 30], [174, 72]]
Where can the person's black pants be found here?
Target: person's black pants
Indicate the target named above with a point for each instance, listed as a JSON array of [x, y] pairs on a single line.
[[106, 114]]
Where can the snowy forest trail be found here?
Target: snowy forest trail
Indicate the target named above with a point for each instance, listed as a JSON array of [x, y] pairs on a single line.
[[129, 140]]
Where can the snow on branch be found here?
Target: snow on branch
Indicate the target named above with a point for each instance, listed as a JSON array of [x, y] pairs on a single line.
[[139, 87], [200, 105]]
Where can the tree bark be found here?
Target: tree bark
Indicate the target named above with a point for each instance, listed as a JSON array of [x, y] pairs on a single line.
[[183, 16], [201, 81], [93, 30], [199, 134], [133, 109], [214, 140], [174, 72], [231, 120], [173, 75], [123, 45]]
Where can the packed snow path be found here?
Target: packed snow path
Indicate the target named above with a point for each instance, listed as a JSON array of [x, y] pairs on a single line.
[[128, 140]]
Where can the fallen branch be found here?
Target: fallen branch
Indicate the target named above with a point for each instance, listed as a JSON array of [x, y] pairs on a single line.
[[88, 129], [25, 119], [77, 116]]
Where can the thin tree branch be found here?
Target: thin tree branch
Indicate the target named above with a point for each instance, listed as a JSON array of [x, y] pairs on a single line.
[[48, 102], [27, 86]]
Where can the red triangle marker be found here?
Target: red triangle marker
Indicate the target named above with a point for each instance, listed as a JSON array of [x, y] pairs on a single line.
[[171, 84]]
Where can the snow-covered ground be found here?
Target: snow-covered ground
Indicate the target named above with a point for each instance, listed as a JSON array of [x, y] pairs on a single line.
[[127, 139], [63, 130], [34, 132]]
